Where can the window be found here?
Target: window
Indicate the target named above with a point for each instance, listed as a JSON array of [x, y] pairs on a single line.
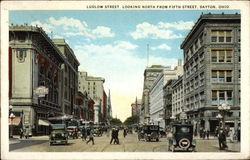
[[214, 56], [214, 98], [228, 36], [222, 36], [214, 75], [221, 76], [229, 55], [214, 36], [221, 96], [221, 56], [228, 76]]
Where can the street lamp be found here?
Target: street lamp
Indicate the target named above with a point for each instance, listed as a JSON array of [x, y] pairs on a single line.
[[223, 109], [12, 116]]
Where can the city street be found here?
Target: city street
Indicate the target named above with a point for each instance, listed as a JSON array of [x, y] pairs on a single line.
[[128, 144]]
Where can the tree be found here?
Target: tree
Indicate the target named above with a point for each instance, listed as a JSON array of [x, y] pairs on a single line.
[[115, 121], [131, 120]]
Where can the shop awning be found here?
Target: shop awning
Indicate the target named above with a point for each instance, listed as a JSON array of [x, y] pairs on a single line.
[[15, 121], [42, 122]]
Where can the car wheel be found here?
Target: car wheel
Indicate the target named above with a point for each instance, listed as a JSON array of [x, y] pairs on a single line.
[[157, 139]]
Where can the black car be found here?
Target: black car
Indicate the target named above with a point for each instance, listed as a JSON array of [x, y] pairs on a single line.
[[149, 132], [58, 134], [183, 137]]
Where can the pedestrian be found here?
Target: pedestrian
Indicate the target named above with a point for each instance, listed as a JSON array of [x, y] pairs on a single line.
[[208, 132], [84, 134], [238, 134], [231, 136], [26, 133], [169, 138], [117, 136], [91, 137], [21, 133], [204, 134], [222, 139], [112, 135], [124, 132]]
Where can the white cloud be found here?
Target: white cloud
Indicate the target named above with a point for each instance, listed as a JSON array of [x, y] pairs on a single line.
[[122, 70], [181, 25], [46, 27], [162, 47], [147, 30], [74, 27]]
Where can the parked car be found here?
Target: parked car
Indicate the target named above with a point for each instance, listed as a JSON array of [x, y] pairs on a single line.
[[183, 137], [58, 134], [149, 132]]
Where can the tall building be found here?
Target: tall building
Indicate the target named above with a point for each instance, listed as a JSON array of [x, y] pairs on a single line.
[[69, 78], [109, 108], [212, 70], [156, 100], [177, 97], [136, 107], [95, 90], [34, 61], [167, 97], [150, 74]]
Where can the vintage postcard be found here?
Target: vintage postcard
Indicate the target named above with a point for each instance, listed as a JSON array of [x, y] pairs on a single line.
[[125, 80]]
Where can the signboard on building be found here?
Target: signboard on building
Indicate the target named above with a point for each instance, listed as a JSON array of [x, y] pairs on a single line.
[[183, 115], [41, 91]]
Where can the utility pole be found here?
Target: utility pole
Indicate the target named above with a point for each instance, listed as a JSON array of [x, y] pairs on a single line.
[[147, 54]]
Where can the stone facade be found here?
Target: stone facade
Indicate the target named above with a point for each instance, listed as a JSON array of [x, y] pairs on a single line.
[[212, 69], [150, 74], [156, 93], [34, 60], [69, 78]]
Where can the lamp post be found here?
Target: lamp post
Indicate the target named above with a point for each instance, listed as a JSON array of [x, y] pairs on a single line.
[[12, 116], [223, 109]]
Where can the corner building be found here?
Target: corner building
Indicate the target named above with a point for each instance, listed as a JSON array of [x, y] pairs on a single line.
[[34, 60], [212, 70]]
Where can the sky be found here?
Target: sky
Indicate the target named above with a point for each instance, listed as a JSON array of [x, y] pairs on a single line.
[[113, 43]]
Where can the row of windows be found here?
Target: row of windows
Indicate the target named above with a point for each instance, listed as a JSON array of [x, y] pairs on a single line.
[[221, 55], [220, 96], [223, 36], [221, 76]]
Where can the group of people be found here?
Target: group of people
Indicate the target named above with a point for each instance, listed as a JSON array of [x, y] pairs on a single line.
[[204, 133], [88, 135], [115, 136]]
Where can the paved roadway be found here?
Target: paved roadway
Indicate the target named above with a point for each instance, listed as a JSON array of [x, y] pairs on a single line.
[[128, 144]]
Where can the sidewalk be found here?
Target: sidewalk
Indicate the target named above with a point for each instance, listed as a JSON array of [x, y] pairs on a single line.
[[16, 139]]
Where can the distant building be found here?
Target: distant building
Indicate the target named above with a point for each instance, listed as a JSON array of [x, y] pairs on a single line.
[[156, 94], [95, 90], [150, 74], [136, 107], [212, 70], [34, 60]]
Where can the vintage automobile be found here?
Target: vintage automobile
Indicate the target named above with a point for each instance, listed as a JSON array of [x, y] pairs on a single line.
[[183, 137], [73, 132], [149, 132], [58, 134]]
